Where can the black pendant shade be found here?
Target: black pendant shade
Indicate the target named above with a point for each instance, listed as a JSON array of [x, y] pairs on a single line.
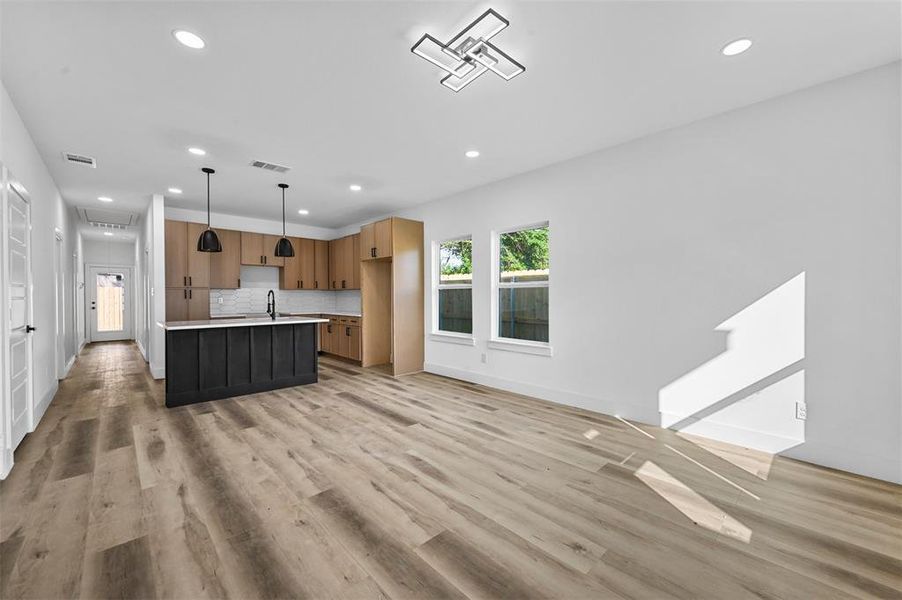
[[208, 240], [283, 246]]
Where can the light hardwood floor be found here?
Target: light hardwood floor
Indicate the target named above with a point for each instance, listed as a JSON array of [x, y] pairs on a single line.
[[364, 486]]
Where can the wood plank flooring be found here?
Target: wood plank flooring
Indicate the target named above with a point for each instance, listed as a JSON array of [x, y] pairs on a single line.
[[365, 486]]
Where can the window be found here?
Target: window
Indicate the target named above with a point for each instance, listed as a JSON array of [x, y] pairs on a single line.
[[523, 269], [455, 286]]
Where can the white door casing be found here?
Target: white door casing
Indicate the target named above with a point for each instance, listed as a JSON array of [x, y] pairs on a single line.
[[117, 322]]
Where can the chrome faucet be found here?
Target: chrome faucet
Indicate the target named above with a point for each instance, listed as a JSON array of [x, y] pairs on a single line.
[[271, 304]]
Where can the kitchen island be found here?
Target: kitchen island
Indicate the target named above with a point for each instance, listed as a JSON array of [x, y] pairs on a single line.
[[220, 358]]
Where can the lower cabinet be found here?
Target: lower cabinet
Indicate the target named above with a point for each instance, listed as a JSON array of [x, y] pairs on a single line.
[[341, 337]]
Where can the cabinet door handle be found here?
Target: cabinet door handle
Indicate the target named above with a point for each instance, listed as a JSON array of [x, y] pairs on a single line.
[[348, 331], [342, 284], [190, 280], [190, 294], [316, 283], [329, 328], [185, 294], [300, 284], [185, 281], [333, 283], [239, 282]]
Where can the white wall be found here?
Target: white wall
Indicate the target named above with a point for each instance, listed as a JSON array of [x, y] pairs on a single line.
[[48, 213], [113, 253], [662, 248], [225, 221]]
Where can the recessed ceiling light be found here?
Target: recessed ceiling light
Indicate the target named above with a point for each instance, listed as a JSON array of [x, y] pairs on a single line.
[[736, 47], [472, 153], [354, 187], [197, 151], [175, 191], [104, 198], [186, 38], [108, 233], [303, 212]]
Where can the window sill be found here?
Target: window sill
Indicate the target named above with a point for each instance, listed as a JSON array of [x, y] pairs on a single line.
[[452, 338], [524, 347]]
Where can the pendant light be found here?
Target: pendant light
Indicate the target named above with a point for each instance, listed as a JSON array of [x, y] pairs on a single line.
[[208, 240], [283, 246]]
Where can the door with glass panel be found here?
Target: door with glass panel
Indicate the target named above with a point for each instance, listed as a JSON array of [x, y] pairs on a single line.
[[110, 303]]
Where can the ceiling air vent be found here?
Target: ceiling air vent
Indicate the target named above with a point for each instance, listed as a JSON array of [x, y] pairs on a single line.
[[80, 159], [260, 164]]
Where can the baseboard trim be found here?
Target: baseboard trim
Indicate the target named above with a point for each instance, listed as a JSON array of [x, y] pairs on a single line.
[[563, 397], [68, 366], [833, 457], [157, 372], [6, 462], [41, 407]]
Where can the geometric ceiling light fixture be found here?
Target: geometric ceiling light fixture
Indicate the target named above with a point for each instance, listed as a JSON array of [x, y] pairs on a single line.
[[469, 54]]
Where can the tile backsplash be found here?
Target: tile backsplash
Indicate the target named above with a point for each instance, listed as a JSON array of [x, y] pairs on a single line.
[[257, 281]]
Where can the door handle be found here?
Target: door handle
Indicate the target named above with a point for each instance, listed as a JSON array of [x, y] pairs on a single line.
[[29, 329]]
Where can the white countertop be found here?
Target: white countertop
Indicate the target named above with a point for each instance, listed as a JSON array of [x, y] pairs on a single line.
[[240, 322], [337, 313]]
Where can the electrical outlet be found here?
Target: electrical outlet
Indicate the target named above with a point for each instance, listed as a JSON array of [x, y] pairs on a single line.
[[485, 357], [219, 300], [801, 411]]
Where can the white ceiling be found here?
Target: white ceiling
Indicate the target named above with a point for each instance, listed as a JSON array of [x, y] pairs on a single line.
[[332, 90]]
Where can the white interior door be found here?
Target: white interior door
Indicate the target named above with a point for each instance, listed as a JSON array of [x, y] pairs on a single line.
[[18, 250], [110, 303]]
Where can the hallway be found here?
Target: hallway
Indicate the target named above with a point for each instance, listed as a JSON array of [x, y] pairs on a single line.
[[365, 486]]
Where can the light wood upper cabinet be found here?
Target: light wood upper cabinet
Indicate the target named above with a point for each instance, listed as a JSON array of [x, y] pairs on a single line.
[[176, 304], [176, 240], [354, 261], [383, 235], [198, 262], [187, 304], [225, 266], [307, 250], [185, 266], [335, 261], [367, 241], [299, 272], [251, 248], [269, 251], [376, 240], [198, 304], [320, 265], [344, 263]]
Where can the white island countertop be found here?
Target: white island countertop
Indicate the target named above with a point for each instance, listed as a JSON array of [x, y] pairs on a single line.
[[334, 313], [240, 322]]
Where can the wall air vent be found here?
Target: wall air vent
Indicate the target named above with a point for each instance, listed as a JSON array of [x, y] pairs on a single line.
[[80, 159], [267, 166]]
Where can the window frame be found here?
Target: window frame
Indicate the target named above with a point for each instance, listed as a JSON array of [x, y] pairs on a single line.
[[496, 340], [436, 334]]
